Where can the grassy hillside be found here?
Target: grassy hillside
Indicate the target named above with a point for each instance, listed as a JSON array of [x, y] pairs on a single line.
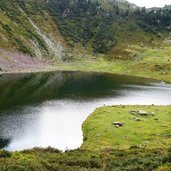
[[29, 30], [144, 61], [99, 26], [94, 35]]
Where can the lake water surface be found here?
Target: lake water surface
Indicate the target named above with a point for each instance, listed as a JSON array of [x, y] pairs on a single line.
[[48, 109]]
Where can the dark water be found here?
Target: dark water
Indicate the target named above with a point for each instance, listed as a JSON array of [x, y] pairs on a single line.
[[48, 109]]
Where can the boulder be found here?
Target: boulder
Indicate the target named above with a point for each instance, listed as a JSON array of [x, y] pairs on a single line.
[[152, 113], [133, 112], [118, 124], [138, 112], [138, 119], [142, 113]]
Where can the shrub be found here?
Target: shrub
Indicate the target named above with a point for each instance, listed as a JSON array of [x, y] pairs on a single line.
[[4, 154]]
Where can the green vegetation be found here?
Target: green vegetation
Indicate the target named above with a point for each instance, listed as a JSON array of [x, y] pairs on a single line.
[[138, 145], [150, 131], [144, 61], [12, 24], [16, 31], [103, 36], [99, 26], [84, 22], [84, 160]]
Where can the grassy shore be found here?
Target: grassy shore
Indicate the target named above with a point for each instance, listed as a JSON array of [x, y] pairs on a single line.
[[147, 62], [151, 131], [141, 144], [161, 72], [151, 63]]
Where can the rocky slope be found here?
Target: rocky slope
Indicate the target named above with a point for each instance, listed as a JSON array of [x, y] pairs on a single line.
[[27, 39]]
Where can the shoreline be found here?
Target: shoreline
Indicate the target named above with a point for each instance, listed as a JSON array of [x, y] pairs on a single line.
[[144, 144], [55, 69], [94, 125]]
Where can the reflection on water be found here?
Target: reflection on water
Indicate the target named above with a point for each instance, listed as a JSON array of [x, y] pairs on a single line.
[[48, 109]]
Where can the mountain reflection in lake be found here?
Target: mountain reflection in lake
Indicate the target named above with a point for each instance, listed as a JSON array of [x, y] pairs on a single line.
[[48, 109]]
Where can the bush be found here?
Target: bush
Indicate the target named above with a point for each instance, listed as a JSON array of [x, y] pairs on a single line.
[[4, 154]]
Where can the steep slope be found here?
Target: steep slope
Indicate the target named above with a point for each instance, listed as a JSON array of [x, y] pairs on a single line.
[[56, 30], [106, 26], [33, 34]]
